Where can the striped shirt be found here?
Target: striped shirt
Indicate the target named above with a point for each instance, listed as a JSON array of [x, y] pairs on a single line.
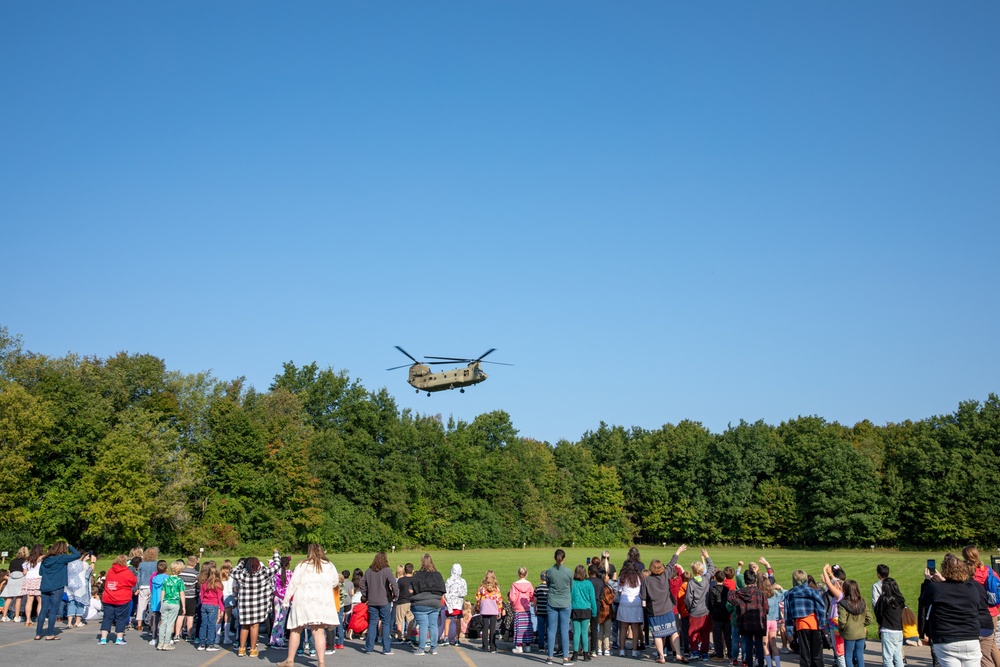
[[542, 599]]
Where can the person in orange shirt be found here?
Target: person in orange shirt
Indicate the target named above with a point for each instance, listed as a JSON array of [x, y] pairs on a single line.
[[805, 610]]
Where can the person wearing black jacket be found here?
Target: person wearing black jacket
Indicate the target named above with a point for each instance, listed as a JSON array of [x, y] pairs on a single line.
[[955, 607], [428, 589], [53, 571], [889, 614], [722, 626]]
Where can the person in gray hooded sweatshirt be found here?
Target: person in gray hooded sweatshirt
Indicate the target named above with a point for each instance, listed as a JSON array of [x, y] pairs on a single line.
[[699, 620]]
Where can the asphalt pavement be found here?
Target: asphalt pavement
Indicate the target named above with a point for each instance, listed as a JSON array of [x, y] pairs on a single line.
[[17, 647]]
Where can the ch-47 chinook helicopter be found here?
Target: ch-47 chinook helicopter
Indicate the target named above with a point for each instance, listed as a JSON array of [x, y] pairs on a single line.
[[422, 379]]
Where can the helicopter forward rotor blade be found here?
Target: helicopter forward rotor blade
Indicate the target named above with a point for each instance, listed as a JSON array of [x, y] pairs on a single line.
[[486, 353], [398, 367], [496, 363], [449, 363], [407, 354], [449, 358]]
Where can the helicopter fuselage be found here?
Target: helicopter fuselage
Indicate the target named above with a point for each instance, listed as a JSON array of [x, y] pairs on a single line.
[[422, 379]]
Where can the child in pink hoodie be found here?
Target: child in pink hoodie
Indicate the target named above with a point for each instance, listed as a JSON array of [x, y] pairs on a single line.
[[522, 596]]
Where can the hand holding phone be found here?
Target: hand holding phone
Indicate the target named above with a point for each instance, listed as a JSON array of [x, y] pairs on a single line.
[[931, 566]]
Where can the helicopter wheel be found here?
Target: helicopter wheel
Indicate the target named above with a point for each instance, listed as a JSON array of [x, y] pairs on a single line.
[[428, 393], [461, 391], [418, 391]]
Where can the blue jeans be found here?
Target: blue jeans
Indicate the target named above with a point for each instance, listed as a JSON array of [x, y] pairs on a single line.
[[427, 625], [734, 647], [558, 622], [77, 608], [51, 600], [338, 632], [209, 618], [854, 652], [541, 629], [375, 613], [892, 648]]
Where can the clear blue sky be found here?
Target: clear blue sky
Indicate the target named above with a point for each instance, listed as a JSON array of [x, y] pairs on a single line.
[[656, 210]]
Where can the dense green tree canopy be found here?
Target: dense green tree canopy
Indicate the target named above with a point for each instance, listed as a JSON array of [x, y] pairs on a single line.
[[111, 452]]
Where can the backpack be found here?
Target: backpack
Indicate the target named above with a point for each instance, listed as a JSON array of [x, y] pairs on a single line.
[[992, 587]]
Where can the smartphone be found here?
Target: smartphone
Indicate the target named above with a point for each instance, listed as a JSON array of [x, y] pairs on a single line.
[[930, 565], [588, 560]]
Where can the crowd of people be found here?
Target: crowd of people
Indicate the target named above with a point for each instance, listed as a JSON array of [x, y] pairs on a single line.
[[578, 612]]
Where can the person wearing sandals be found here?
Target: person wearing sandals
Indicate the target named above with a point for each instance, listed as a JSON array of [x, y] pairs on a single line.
[[657, 599], [78, 589], [13, 591], [310, 594], [31, 588], [254, 599], [52, 585]]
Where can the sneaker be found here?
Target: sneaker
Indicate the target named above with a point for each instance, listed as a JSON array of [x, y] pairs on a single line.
[[635, 654], [445, 643], [213, 647], [388, 653], [548, 661], [102, 642], [152, 642], [339, 647], [419, 652], [434, 651], [120, 642], [567, 662], [201, 648], [312, 653], [517, 649], [253, 652], [329, 651], [241, 653]]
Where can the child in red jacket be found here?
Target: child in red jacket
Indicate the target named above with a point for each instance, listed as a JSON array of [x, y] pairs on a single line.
[[117, 599]]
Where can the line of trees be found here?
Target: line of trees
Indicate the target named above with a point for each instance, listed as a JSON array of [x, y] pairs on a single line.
[[118, 451]]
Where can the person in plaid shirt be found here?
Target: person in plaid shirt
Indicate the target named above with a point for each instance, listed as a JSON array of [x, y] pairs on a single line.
[[751, 608], [805, 610]]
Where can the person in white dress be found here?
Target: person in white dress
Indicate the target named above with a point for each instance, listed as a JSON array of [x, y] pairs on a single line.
[[310, 594]]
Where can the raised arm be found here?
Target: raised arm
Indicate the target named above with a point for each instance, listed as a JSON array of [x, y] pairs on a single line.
[[767, 566]]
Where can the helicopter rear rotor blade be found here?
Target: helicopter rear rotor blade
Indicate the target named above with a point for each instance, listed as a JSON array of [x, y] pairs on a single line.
[[449, 358], [486, 353], [407, 354], [496, 363]]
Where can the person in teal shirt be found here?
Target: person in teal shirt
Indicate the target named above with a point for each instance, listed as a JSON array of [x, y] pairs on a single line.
[[584, 605], [560, 603]]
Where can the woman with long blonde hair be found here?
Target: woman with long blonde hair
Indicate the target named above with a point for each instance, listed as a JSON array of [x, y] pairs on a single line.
[[313, 606]]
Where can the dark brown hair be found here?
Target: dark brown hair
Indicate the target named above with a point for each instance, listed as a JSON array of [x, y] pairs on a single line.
[[380, 561]]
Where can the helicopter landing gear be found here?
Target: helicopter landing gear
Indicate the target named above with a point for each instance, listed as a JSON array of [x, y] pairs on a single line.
[[461, 391], [418, 391], [428, 393]]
